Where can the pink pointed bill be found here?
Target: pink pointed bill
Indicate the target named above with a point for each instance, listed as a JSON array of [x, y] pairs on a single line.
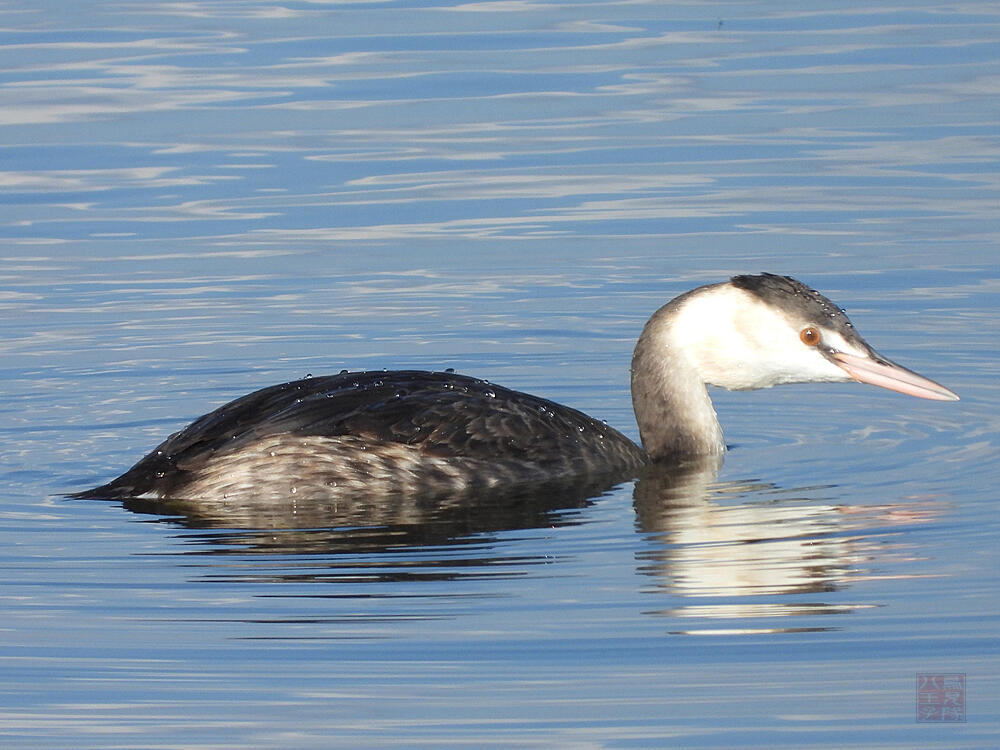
[[892, 376]]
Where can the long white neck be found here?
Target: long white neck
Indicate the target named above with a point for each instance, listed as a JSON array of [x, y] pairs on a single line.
[[672, 405]]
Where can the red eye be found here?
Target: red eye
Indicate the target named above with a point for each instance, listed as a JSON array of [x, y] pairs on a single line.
[[810, 336]]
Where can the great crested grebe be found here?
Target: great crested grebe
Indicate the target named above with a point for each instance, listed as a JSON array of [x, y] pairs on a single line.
[[377, 433]]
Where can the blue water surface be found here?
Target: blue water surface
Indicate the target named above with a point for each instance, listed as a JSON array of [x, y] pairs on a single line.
[[199, 199]]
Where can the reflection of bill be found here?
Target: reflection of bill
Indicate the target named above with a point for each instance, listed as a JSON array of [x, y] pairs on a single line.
[[752, 539], [940, 697]]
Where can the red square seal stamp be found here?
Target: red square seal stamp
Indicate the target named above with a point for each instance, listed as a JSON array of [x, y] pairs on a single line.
[[940, 697]]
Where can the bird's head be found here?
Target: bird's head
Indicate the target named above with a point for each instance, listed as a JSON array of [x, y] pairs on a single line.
[[764, 330]]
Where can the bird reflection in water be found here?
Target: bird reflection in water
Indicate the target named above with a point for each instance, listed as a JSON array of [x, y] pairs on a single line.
[[720, 551], [742, 550]]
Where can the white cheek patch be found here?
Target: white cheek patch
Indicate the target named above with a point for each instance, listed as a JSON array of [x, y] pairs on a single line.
[[737, 342]]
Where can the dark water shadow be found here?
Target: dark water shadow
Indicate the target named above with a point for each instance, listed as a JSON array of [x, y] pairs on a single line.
[[390, 523]]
